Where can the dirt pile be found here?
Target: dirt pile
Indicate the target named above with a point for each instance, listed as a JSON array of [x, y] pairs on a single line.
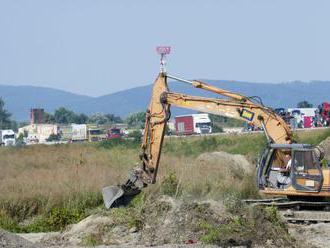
[[326, 145], [226, 161], [11, 240], [172, 221]]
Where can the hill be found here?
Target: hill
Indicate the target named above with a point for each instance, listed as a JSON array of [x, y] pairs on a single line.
[[19, 99]]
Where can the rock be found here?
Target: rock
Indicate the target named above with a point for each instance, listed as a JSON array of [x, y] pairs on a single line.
[[326, 145]]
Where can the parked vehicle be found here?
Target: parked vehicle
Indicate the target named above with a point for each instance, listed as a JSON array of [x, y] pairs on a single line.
[[304, 116], [324, 112], [193, 124], [308, 121], [65, 131], [94, 134], [7, 137], [79, 132], [114, 133]]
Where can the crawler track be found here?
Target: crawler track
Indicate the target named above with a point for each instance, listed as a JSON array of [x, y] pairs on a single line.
[[305, 217], [297, 212]]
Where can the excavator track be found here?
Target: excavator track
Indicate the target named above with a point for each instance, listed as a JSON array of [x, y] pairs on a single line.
[[297, 212], [305, 217], [284, 203]]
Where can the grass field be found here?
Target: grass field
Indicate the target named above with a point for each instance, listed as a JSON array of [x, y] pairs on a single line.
[[45, 188]]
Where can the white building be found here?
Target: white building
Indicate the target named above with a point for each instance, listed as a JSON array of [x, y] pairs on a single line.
[[38, 133]]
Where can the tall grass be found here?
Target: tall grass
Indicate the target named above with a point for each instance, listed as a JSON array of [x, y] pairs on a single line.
[[47, 187]]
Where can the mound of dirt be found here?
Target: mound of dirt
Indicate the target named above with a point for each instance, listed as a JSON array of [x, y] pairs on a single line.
[[170, 221], [326, 145], [227, 161], [11, 240]]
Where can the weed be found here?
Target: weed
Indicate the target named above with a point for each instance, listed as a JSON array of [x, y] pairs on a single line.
[[273, 215], [170, 185], [92, 239]]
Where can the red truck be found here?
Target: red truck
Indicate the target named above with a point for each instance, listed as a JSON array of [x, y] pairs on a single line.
[[324, 111], [114, 133]]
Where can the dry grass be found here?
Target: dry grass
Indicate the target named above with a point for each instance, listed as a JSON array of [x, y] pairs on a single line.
[[56, 172], [34, 179]]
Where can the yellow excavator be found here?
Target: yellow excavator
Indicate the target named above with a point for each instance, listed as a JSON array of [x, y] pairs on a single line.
[[285, 167]]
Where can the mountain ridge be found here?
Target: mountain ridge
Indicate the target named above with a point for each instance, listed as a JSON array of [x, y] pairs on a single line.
[[20, 99]]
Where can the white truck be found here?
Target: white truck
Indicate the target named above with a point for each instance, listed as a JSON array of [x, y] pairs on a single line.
[[7, 137], [193, 124], [79, 132]]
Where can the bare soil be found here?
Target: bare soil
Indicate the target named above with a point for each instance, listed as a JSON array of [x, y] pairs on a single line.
[[11, 240]]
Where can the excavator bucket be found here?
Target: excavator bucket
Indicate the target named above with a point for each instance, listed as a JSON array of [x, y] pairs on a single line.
[[111, 194], [121, 195]]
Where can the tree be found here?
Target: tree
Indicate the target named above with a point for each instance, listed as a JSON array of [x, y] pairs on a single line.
[[49, 118], [64, 116], [304, 104], [136, 120], [5, 122], [101, 119], [81, 119], [136, 135], [98, 118], [113, 119]]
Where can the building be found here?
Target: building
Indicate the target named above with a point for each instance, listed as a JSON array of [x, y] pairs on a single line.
[[38, 133], [37, 116]]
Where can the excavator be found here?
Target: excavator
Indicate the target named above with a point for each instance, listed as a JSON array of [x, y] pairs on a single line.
[[284, 168]]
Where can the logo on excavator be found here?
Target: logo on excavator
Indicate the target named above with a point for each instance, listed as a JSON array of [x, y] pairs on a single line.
[[246, 114]]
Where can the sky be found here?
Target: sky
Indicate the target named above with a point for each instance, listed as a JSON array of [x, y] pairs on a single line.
[[97, 47]]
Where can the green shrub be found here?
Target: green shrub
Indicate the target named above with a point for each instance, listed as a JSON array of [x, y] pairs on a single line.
[[92, 239], [170, 185], [273, 215]]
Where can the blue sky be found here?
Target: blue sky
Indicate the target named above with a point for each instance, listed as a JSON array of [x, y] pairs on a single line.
[[96, 47]]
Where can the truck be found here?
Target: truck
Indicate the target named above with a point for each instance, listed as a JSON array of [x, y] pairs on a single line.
[[324, 112], [114, 133], [95, 134], [65, 132], [193, 124], [303, 116], [79, 132], [7, 137]]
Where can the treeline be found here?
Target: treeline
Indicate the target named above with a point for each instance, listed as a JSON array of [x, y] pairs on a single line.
[[5, 118], [65, 116]]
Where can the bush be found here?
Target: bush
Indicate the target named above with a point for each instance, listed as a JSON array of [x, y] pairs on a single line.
[[170, 185], [136, 135], [54, 137]]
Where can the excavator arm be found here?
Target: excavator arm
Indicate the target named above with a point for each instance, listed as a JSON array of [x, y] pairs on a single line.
[[237, 106], [158, 113]]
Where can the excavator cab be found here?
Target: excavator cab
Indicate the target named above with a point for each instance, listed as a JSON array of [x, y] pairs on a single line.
[[300, 173]]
